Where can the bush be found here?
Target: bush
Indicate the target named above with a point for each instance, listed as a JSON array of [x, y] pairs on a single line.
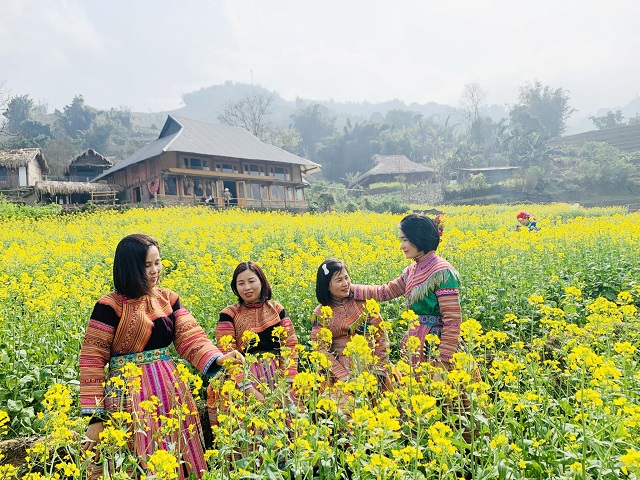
[[10, 209], [385, 204]]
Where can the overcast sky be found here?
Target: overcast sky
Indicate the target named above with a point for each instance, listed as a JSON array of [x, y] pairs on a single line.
[[145, 54]]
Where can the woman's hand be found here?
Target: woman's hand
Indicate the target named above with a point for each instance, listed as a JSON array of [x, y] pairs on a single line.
[[92, 435], [233, 356], [255, 392]]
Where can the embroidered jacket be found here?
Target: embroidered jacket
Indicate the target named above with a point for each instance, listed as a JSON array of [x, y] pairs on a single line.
[[345, 323], [119, 325], [430, 286], [260, 318]]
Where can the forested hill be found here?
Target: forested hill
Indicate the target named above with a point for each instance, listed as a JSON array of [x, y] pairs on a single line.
[[207, 103]]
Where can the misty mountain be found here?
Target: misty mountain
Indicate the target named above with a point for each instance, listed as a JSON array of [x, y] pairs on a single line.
[[207, 103]]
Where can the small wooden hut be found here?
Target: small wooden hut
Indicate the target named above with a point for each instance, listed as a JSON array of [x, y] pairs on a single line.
[[21, 167], [389, 168], [65, 193], [89, 164]]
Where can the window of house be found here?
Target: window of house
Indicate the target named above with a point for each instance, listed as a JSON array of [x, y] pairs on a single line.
[[253, 170], [299, 194], [83, 173], [3, 172], [170, 186], [264, 192], [289, 193], [198, 188], [277, 192], [282, 173], [228, 168], [254, 191], [196, 163]]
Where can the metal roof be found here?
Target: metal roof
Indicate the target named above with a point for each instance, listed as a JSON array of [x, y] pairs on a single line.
[[181, 134]]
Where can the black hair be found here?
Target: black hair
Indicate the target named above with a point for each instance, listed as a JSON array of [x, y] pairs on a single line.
[[324, 277], [420, 231], [129, 265], [265, 290]]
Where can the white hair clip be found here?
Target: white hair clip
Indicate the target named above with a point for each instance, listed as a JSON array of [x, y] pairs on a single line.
[[325, 269]]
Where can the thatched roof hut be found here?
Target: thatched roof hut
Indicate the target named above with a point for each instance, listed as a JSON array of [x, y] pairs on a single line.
[[88, 164], [70, 188], [386, 168], [90, 158], [21, 157]]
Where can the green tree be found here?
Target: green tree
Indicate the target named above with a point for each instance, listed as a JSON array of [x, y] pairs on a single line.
[[352, 150], [251, 113], [472, 100], [402, 118], [21, 123], [542, 109], [602, 166], [312, 127], [19, 110], [76, 118], [288, 139], [59, 152], [108, 128], [610, 120]]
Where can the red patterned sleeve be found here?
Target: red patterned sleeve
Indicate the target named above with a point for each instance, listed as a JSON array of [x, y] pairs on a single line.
[[191, 341], [337, 370], [94, 356], [382, 293], [226, 327], [381, 348], [449, 303], [290, 342]]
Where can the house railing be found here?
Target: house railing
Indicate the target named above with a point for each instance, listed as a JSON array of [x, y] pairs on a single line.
[[9, 183]]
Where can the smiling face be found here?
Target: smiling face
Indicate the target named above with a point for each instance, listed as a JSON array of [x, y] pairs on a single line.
[[153, 266], [339, 285], [248, 286], [409, 249]]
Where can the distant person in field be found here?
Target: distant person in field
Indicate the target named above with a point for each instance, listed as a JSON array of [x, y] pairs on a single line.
[[439, 223], [129, 335], [257, 326], [527, 221], [227, 197], [348, 318]]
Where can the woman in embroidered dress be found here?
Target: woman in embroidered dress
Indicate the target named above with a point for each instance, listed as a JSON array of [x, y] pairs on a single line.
[[257, 314], [348, 318], [135, 324], [431, 288]]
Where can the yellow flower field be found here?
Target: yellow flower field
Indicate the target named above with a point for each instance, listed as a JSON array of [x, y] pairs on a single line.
[[551, 319]]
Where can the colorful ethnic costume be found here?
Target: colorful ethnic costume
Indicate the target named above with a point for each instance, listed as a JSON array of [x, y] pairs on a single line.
[[122, 331], [527, 220], [431, 289], [347, 321], [430, 286], [261, 319]]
